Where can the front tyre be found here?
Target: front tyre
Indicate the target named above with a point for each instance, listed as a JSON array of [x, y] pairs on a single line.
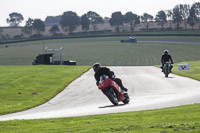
[[166, 72], [110, 93]]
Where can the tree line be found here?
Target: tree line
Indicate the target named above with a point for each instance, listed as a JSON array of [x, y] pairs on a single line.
[[69, 21]]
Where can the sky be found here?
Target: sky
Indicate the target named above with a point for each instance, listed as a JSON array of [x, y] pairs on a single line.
[[43, 8]]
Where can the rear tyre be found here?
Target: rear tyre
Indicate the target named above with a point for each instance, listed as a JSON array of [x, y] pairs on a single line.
[[110, 93], [126, 100]]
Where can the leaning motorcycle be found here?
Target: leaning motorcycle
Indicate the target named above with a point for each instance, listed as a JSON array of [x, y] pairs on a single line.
[[166, 68], [112, 90]]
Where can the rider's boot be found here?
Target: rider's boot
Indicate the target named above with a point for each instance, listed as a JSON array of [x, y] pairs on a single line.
[[161, 68], [123, 88]]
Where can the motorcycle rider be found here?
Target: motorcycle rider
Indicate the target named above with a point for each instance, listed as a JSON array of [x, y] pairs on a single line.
[[166, 57], [99, 71]]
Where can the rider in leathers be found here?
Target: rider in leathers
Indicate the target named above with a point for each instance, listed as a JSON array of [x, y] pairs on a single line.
[[166, 58], [99, 71]]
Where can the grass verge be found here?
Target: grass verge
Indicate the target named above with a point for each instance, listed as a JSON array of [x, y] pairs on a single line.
[[181, 119], [193, 72], [23, 87]]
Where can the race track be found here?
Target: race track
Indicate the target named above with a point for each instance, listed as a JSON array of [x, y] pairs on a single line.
[[148, 89]]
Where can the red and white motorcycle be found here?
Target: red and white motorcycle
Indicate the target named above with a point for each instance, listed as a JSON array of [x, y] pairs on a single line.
[[112, 90]]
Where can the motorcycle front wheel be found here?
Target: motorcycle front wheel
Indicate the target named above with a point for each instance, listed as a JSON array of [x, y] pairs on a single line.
[[110, 93], [166, 72]]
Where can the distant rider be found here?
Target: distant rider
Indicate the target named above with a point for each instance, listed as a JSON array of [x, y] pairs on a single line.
[[99, 71], [166, 58]]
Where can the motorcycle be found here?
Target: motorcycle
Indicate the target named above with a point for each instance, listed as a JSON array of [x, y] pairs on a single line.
[[166, 68], [112, 90]]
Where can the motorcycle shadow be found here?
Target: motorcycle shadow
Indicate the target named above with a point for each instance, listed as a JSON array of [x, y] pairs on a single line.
[[110, 106], [169, 77]]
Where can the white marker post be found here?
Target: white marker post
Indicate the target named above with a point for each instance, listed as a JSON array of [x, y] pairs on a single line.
[[183, 67]]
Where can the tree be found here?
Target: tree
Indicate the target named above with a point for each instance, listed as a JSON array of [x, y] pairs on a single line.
[[177, 16], [184, 9], [15, 19], [69, 21], [52, 20], [28, 28], [38, 26], [94, 19], [54, 29], [192, 17], [196, 7], [106, 19], [161, 18], [1, 30], [85, 22], [145, 19], [169, 15], [132, 19], [116, 20]]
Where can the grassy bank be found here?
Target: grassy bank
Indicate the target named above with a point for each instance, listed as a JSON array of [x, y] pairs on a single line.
[[183, 119], [23, 87]]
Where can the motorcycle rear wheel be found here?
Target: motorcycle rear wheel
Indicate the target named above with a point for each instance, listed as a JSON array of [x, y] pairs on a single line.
[[126, 100]]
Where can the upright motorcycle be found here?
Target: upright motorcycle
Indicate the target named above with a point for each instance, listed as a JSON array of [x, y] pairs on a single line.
[[166, 68], [112, 90]]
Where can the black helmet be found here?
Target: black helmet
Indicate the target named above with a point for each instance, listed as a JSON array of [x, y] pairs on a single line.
[[96, 67], [166, 52]]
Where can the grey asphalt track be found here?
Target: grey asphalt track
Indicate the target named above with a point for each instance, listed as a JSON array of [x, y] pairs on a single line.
[[147, 87], [178, 42]]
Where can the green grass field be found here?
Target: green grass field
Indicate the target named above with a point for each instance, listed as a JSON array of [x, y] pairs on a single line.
[[24, 87], [106, 50], [183, 119]]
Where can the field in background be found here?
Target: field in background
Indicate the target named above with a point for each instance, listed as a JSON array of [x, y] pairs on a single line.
[[108, 51]]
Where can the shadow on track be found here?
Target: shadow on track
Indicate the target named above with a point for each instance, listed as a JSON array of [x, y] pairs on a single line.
[[168, 77], [110, 106]]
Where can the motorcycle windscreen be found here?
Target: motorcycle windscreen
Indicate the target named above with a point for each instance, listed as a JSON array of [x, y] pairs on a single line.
[[103, 78]]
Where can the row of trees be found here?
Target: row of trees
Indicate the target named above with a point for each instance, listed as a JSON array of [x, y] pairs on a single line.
[[179, 14], [70, 20]]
